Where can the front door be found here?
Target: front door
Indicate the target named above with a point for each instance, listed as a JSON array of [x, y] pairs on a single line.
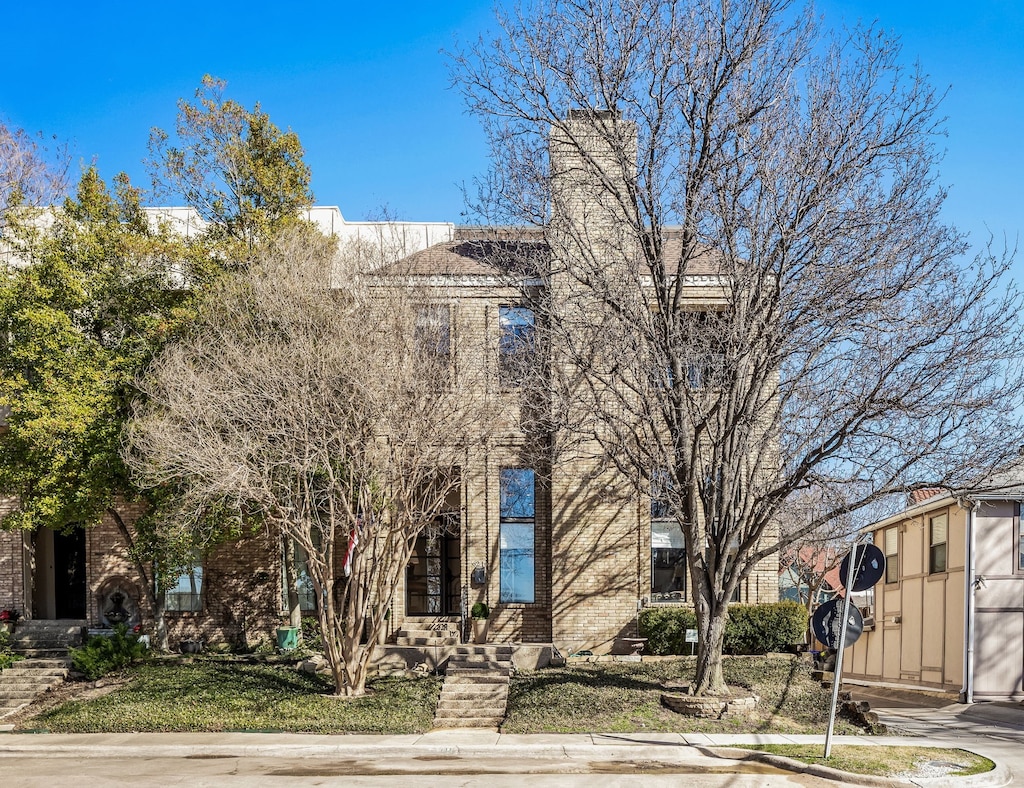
[[59, 588], [432, 579]]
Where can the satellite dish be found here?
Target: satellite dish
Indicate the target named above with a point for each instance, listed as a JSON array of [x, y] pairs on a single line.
[[826, 623], [868, 569]]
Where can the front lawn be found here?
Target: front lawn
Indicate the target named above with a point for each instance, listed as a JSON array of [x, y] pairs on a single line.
[[625, 697], [211, 695]]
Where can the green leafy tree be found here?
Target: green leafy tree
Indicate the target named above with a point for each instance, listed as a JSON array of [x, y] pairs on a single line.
[[233, 165], [85, 301]]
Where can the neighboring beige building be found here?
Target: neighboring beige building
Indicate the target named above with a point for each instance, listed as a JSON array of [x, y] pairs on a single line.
[[556, 556], [949, 614]]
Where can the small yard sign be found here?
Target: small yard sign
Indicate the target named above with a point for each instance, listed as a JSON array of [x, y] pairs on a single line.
[[691, 636]]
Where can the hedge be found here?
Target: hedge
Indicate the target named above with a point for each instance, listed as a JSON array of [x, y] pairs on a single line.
[[749, 629]]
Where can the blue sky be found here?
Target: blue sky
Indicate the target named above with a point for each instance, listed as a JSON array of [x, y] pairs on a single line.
[[367, 89]]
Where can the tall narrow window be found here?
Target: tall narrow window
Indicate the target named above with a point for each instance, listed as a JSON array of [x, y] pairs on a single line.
[[937, 543], [186, 593], [433, 330], [303, 582], [518, 520], [1020, 535], [668, 553], [517, 344], [891, 542]]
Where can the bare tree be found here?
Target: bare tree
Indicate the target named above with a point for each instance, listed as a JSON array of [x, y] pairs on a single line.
[[30, 174], [752, 293], [331, 414]]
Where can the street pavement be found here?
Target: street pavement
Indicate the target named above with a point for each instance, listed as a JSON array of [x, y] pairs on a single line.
[[487, 758]]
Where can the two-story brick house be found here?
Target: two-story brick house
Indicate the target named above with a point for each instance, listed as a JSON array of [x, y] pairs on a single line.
[[557, 545]]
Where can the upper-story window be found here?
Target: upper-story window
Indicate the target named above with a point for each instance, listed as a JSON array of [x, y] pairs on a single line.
[[1020, 535], [937, 528], [517, 344], [433, 329], [891, 548]]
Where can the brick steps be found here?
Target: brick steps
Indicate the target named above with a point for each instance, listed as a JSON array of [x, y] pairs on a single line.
[[44, 644], [475, 691], [26, 680]]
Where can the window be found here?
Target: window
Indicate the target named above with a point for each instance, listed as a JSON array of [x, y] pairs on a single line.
[[516, 344], [518, 513], [937, 543], [186, 593], [303, 582], [890, 545], [1020, 536], [433, 330], [668, 562], [707, 371], [668, 553]]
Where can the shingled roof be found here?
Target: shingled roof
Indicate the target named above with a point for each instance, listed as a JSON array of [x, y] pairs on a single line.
[[514, 251]]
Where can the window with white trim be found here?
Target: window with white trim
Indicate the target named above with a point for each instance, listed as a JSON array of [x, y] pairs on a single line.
[[937, 535], [890, 546], [186, 595]]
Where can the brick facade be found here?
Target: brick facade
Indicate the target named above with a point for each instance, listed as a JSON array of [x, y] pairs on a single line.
[[592, 530]]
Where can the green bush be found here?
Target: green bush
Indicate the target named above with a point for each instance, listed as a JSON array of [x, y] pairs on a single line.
[[665, 629], [311, 637], [101, 654], [7, 655], [479, 610], [750, 629]]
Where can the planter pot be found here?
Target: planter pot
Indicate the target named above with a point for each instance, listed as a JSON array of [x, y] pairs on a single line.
[[7, 626], [480, 630], [288, 638]]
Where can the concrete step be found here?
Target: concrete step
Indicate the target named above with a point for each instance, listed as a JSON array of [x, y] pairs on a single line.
[[485, 651], [473, 691], [21, 669], [26, 680], [471, 677], [22, 694], [45, 662], [43, 653], [469, 722], [437, 630], [405, 640], [473, 668], [461, 707]]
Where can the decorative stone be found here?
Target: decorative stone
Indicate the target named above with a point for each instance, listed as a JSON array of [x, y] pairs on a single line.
[[314, 664], [713, 707]]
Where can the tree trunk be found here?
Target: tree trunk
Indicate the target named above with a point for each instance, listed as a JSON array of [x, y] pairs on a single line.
[[156, 600], [290, 579], [711, 618]]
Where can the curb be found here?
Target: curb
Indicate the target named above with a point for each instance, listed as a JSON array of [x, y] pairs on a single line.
[[998, 776]]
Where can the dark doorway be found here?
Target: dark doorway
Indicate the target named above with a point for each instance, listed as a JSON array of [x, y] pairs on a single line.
[[69, 574], [432, 579]]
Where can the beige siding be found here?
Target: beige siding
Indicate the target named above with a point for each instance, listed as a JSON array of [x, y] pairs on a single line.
[[918, 637]]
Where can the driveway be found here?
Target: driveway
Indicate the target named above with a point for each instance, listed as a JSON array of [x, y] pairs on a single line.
[[992, 728]]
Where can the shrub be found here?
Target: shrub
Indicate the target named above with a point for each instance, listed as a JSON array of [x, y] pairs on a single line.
[[311, 637], [750, 629], [7, 655], [665, 629], [101, 654], [480, 610]]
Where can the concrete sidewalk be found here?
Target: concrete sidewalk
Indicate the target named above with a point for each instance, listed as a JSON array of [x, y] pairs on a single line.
[[462, 750]]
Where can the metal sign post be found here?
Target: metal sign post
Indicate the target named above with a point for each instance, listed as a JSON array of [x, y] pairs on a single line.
[[854, 567]]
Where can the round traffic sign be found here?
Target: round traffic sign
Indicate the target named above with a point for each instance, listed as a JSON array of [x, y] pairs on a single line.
[[826, 623], [868, 569]]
